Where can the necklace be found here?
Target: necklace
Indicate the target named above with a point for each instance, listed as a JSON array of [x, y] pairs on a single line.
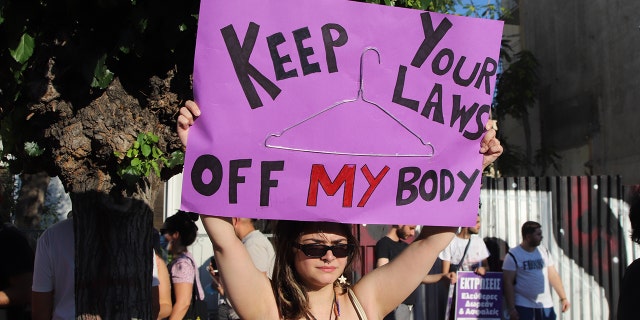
[[335, 309]]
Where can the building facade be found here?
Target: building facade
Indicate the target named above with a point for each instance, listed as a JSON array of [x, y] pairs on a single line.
[[587, 107]]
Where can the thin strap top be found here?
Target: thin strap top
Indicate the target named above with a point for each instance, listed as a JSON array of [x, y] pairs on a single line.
[[356, 304]]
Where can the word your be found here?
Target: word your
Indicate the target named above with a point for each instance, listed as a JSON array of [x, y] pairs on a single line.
[[442, 65]]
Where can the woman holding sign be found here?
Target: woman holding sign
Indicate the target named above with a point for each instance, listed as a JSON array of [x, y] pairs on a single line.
[[314, 258]]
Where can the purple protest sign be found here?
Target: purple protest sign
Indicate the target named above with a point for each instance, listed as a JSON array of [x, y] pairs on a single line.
[[478, 297], [335, 110]]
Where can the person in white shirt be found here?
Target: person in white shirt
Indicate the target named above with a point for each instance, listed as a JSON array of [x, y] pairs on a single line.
[[527, 270], [53, 288], [466, 252]]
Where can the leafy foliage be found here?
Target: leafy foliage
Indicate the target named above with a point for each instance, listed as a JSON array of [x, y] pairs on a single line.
[[32, 149], [512, 160], [516, 93], [144, 156], [23, 52], [102, 76], [517, 86], [547, 158], [444, 6], [490, 10], [79, 47]]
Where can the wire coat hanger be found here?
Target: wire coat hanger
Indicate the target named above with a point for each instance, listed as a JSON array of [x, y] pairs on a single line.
[[360, 96]]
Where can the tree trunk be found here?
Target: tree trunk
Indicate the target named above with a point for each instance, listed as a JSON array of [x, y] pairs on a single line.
[[113, 219], [30, 202], [113, 256]]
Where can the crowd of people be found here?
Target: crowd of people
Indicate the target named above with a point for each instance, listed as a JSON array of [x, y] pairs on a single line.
[[306, 275], [309, 258]]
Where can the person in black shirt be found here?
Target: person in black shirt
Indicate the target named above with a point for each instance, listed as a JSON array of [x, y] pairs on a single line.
[[389, 247]]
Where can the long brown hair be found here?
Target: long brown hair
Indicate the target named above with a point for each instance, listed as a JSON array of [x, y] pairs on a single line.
[[291, 295]]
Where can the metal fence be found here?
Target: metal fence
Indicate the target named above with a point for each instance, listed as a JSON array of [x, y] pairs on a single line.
[[585, 227]]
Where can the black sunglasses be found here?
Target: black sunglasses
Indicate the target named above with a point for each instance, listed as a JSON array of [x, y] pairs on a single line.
[[314, 250]]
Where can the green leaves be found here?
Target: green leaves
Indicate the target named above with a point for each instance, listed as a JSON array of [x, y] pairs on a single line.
[[488, 10], [32, 149], [102, 76], [516, 89], [24, 50], [144, 157], [175, 159]]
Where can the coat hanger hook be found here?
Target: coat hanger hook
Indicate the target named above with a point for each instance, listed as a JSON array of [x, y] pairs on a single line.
[[361, 89]]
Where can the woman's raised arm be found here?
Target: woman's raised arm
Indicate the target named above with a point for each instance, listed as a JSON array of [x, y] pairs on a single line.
[[383, 289], [248, 288]]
